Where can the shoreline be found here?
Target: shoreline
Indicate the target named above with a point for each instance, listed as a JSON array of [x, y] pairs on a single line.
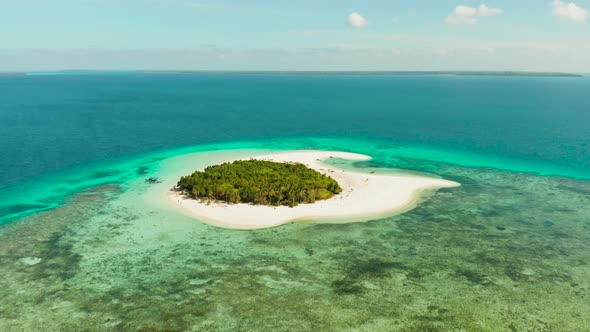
[[365, 196]]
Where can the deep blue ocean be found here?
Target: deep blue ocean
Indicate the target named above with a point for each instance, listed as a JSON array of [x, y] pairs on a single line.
[[48, 123]]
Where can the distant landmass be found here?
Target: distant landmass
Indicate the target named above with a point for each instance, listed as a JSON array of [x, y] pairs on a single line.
[[12, 74], [259, 72], [384, 73]]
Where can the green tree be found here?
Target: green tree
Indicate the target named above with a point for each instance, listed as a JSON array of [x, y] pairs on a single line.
[[259, 182]]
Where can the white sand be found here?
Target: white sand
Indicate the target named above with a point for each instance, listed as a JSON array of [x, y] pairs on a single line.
[[364, 196]]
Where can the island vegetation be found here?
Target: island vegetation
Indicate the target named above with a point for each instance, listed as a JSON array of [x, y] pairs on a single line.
[[259, 182]]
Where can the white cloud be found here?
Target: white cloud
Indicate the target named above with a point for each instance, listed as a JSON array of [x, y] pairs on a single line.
[[469, 15], [356, 20], [487, 11], [569, 11], [465, 11], [462, 15]]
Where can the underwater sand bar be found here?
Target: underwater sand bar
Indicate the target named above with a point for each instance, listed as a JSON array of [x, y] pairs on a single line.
[[364, 196]]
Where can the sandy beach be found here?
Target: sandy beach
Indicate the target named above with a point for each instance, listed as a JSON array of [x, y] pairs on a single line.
[[364, 196]]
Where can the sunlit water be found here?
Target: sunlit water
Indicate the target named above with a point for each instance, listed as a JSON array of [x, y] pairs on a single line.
[[89, 247]]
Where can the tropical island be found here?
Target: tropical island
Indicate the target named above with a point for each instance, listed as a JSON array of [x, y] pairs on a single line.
[[259, 182], [247, 190]]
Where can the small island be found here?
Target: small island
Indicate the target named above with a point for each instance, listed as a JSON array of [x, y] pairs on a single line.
[[259, 182], [253, 191]]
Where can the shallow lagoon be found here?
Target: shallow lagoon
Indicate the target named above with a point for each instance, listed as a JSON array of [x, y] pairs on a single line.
[[506, 251]]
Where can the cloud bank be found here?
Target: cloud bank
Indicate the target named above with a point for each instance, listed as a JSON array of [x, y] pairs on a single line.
[[469, 15], [569, 11], [356, 20]]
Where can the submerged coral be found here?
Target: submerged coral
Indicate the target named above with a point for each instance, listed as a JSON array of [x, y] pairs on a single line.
[[504, 252]]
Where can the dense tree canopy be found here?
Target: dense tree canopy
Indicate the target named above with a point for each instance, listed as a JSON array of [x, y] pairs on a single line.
[[260, 182]]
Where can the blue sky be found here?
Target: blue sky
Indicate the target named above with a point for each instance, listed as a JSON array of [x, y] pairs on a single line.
[[295, 35]]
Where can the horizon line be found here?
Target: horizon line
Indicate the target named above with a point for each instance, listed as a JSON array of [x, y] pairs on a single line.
[[303, 72]]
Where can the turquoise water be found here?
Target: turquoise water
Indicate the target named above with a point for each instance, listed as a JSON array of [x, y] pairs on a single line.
[[48, 191], [506, 251], [48, 123], [72, 124]]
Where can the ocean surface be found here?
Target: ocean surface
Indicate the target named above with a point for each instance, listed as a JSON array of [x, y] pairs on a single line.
[[83, 245]]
